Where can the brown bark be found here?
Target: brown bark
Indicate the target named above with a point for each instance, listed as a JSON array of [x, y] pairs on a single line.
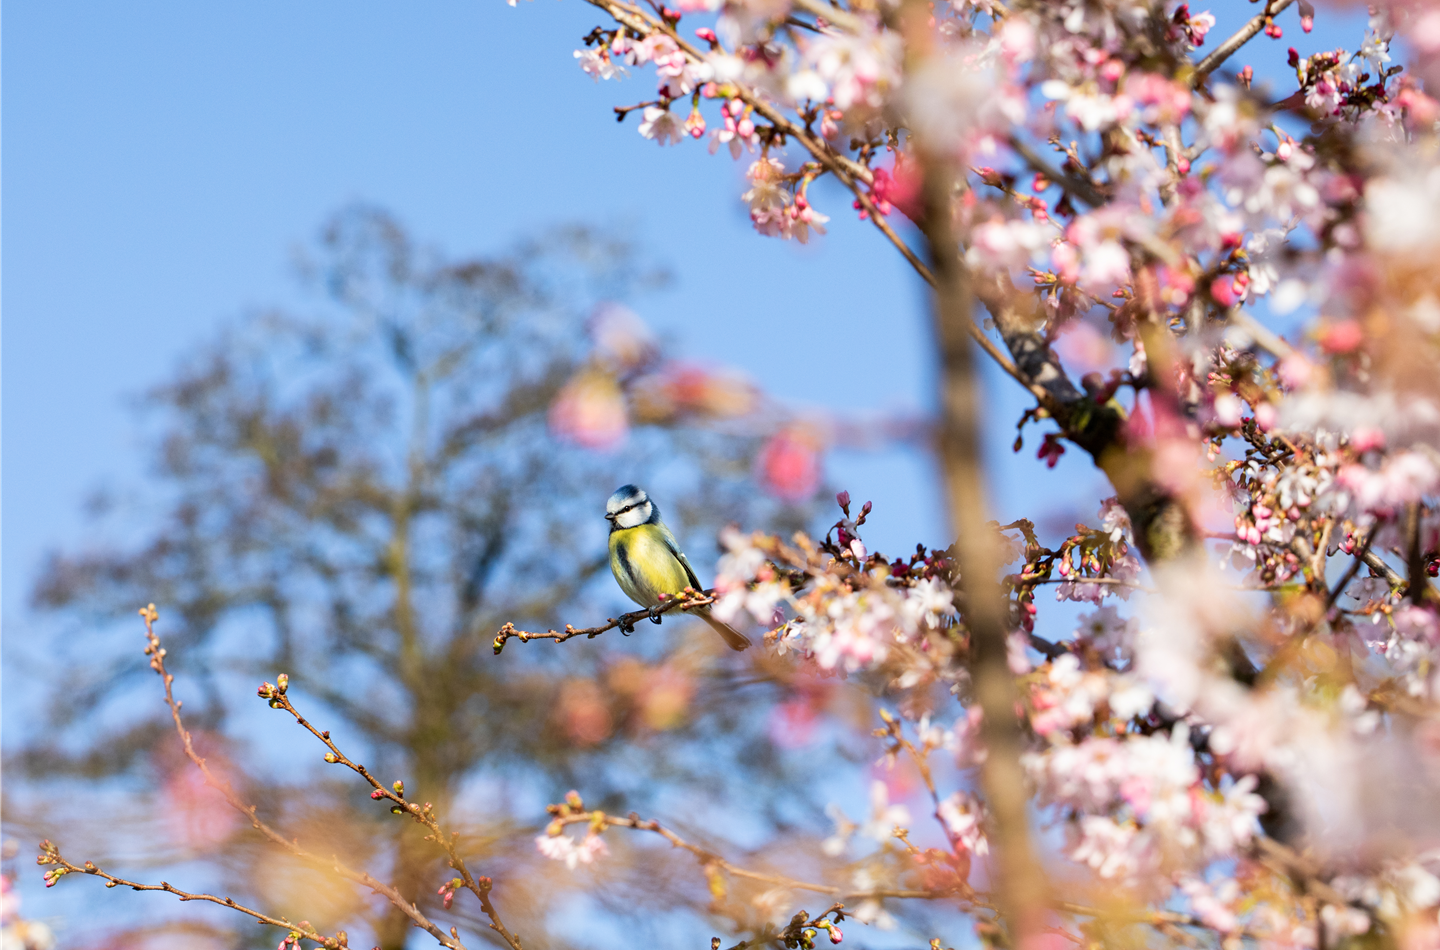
[[1020, 886]]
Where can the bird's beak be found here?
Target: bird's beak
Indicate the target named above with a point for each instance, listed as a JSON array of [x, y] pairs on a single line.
[[609, 517]]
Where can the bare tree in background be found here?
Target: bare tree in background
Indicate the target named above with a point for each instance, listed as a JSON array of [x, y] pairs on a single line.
[[360, 499]]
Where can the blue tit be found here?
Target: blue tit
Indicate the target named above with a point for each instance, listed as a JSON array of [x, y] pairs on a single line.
[[647, 561]]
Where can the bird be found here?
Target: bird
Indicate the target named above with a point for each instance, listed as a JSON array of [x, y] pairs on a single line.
[[647, 561]]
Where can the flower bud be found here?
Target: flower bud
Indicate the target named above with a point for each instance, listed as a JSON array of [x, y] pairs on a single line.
[[330, 757], [282, 683]]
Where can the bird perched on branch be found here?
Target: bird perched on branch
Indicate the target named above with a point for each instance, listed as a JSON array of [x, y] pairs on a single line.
[[647, 561]]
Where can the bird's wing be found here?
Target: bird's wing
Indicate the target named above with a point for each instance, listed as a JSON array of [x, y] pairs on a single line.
[[674, 547]]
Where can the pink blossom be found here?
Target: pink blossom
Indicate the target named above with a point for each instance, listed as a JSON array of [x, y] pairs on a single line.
[[662, 125], [1416, 623], [1404, 478], [563, 848], [597, 64], [621, 338], [590, 410], [964, 820], [1343, 336], [736, 131], [790, 464], [1000, 244]]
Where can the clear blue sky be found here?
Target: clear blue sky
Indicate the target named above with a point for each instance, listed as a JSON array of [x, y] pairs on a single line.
[[162, 159]]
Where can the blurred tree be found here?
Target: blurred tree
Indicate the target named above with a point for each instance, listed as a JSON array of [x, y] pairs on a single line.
[[360, 499]]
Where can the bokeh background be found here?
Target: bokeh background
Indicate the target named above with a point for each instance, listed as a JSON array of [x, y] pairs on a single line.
[[170, 167]]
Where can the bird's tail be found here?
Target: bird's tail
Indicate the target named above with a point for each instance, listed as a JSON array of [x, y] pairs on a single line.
[[733, 638]]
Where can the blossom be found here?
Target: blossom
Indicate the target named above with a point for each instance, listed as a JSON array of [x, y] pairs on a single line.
[[621, 338], [662, 125], [597, 64], [1001, 244], [768, 197], [590, 410], [1403, 478], [789, 464], [736, 129], [964, 820], [859, 69], [562, 847], [884, 817]]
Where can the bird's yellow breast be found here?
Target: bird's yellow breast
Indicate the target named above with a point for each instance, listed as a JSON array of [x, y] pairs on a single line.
[[644, 566]]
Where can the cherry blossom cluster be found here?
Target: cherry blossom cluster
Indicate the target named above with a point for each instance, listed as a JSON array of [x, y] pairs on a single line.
[[628, 381]]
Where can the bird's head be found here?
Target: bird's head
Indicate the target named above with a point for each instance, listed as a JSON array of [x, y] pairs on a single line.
[[629, 507]]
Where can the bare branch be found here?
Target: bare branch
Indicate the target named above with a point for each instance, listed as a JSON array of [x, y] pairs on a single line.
[[50, 854], [157, 654], [395, 794], [709, 859], [685, 600]]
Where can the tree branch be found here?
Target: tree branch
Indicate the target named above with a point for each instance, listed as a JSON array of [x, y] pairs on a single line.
[[157, 654], [1225, 50], [1020, 884], [685, 600], [480, 887], [50, 854]]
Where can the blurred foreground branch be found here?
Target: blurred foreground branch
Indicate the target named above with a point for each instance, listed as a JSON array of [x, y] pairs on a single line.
[[50, 854]]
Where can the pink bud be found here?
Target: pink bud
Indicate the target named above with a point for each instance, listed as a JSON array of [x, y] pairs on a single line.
[[835, 935], [377, 794], [1344, 336], [843, 499], [1365, 438], [706, 34], [1222, 289]]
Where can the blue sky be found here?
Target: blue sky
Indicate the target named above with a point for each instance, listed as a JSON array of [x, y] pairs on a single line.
[[164, 159]]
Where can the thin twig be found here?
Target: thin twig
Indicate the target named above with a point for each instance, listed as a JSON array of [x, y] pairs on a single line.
[[1264, 337], [480, 887], [1350, 573], [684, 601], [157, 655], [50, 854], [708, 858]]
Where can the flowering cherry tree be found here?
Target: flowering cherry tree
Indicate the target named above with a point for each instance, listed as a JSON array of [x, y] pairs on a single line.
[[1233, 740], [1239, 737]]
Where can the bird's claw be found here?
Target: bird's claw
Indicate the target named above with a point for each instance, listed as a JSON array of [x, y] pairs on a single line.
[[654, 617], [626, 627]]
